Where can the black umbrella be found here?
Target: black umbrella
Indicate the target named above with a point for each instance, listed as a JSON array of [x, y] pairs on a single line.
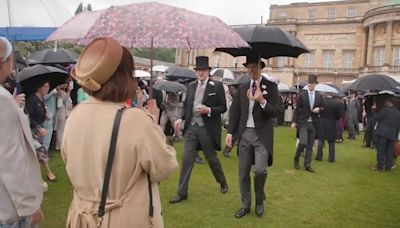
[[179, 73], [31, 77], [375, 82], [267, 42], [246, 79], [169, 86], [287, 91], [53, 56]]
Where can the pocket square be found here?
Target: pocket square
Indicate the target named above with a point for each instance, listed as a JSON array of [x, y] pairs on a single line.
[[264, 92], [211, 94]]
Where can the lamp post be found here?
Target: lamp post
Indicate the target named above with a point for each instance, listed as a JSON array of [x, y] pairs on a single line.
[[335, 74]]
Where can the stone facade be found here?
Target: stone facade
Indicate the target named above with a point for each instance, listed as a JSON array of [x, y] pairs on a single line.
[[347, 39]]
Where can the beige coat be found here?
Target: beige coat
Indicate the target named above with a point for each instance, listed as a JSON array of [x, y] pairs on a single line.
[[140, 149], [20, 183]]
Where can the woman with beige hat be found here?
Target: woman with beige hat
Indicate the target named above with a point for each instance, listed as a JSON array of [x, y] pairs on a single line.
[[92, 135]]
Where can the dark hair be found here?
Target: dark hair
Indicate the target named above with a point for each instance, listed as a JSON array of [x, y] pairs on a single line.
[[121, 86]]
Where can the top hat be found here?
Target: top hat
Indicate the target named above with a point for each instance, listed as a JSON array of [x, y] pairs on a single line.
[[98, 63], [202, 63], [254, 58], [312, 78]]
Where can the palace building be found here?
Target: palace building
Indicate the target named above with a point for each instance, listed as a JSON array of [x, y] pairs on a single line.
[[346, 39]]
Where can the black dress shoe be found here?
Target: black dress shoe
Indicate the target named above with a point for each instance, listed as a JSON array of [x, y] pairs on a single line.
[[309, 169], [224, 188], [296, 164], [178, 198], [242, 212], [259, 210], [227, 154]]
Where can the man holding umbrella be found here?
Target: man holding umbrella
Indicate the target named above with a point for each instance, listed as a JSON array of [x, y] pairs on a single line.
[[20, 182], [250, 117], [204, 104]]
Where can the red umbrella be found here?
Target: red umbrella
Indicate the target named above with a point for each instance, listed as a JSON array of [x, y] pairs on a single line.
[[150, 25]]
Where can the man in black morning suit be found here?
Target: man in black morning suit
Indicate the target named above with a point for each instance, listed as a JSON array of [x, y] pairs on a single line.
[[204, 104], [250, 117], [306, 119]]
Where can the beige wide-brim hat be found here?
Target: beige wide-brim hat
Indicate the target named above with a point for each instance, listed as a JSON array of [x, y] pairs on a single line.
[[98, 63]]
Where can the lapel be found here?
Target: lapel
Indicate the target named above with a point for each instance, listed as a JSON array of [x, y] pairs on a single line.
[[191, 93], [307, 100]]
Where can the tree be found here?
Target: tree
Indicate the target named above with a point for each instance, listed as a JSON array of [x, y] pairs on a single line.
[[79, 9]]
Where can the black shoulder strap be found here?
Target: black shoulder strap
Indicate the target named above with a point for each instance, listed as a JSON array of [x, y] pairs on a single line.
[[110, 160]]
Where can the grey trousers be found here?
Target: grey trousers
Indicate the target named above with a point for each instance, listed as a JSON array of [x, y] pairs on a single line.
[[307, 135], [251, 149], [195, 136]]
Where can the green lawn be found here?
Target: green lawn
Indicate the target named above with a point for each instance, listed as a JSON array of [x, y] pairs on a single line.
[[342, 194]]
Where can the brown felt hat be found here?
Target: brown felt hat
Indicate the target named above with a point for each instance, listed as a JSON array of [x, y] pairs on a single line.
[[98, 63]]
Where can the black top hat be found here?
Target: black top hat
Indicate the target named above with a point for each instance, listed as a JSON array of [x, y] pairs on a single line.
[[253, 58], [312, 78], [202, 63]]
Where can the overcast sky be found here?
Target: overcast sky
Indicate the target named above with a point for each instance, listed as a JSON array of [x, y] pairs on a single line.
[[232, 12]]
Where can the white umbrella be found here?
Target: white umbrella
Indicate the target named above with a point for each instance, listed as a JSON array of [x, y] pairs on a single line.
[[323, 88], [142, 74], [224, 73], [160, 68], [282, 86]]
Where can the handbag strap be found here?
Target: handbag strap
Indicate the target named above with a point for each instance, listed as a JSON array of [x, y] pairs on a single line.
[[110, 160]]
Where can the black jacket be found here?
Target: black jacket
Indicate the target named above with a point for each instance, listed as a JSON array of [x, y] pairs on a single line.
[[239, 112], [388, 119], [214, 98]]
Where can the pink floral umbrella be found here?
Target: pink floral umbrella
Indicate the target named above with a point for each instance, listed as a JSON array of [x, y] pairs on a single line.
[[148, 25]]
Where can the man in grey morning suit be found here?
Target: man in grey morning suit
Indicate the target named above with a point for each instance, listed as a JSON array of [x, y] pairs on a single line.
[[250, 117], [204, 104], [306, 119]]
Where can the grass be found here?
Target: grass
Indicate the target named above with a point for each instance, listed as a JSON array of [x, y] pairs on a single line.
[[342, 194]]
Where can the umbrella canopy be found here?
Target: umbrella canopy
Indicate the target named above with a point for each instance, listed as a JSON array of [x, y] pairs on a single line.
[[30, 77], [374, 82], [160, 68], [267, 42], [53, 56], [22, 20], [180, 73], [323, 88], [150, 24], [223, 73], [246, 79], [287, 91], [169, 86], [283, 86], [142, 74], [340, 92]]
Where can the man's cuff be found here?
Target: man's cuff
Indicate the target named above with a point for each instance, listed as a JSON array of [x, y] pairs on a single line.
[[229, 134], [209, 112]]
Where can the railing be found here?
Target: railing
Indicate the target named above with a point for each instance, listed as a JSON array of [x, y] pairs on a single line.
[[328, 70], [313, 20]]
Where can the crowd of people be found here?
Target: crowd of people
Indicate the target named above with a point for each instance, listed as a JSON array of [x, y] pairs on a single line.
[[116, 136]]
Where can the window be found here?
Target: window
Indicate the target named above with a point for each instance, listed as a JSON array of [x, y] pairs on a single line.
[[348, 59], [311, 14], [308, 60], [328, 59], [282, 61], [331, 13], [396, 56], [217, 60], [379, 56], [351, 12]]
